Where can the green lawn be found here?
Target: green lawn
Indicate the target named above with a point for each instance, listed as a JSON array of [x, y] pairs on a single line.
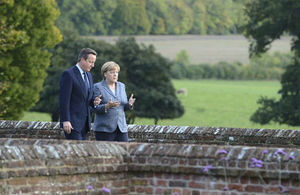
[[36, 116], [212, 103], [220, 103]]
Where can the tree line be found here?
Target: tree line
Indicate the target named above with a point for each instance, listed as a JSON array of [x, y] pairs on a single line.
[[265, 67], [143, 17]]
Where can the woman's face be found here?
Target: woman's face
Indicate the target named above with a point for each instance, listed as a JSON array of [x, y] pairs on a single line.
[[111, 76]]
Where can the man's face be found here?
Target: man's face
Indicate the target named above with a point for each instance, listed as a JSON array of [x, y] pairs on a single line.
[[87, 64]]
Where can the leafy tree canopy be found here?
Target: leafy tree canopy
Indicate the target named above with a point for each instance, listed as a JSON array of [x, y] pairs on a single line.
[[27, 29], [267, 21]]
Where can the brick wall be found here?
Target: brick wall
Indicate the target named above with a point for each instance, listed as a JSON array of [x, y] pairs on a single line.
[[164, 134], [170, 168], [76, 167], [30, 166], [164, 163]]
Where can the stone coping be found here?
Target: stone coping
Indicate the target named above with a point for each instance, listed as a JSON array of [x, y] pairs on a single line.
[[167, 134]]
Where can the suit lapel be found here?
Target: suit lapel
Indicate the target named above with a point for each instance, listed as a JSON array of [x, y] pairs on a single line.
[[79, 78]]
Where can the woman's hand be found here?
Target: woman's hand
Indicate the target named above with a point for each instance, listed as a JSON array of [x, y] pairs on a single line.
[[131, 100], [112, 104]]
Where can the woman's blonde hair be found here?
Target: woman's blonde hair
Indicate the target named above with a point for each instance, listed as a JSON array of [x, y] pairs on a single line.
[[108, 66]]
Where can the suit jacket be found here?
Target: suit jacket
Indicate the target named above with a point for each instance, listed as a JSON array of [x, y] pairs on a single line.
[[73, 100], [108, 121]]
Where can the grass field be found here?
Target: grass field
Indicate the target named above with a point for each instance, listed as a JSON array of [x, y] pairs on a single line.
[[219, 103], [212, 103], [36, 116]]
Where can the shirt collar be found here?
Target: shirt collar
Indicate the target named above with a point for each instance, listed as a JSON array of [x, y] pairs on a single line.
[[80, 70]]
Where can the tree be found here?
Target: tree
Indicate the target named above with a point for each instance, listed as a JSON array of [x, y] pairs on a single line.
[[183, 58], [199, 14], [148, 78], [179, 18], [156, 12], [27, 29], [130, 18], [268, 21], [86, 17]]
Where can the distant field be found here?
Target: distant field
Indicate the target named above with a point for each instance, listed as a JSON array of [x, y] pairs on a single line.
[[212, 103], [204, 49]]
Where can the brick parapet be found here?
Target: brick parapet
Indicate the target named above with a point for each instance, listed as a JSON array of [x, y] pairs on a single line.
[[165, 155], [30, 166], [34, 130], [51, 157], [171, 168], [178, 158], [165, 134], [137, 168], [214, 135]]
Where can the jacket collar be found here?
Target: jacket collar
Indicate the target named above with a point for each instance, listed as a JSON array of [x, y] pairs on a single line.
[[106, 87]]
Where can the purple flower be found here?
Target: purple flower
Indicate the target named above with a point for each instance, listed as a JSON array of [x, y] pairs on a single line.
[[207, 168], [225, 188], [280, 151], [265, 152], [256, 163], [104, 189], [175, 193], [291, 157], [89, 187], [222, 151]]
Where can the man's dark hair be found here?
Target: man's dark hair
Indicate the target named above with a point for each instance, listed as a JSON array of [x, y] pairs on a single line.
[[84, 53]]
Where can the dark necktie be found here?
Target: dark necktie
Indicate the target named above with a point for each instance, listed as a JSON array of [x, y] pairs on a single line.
[[87, 86]]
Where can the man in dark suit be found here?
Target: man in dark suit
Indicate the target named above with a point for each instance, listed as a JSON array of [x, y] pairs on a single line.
[[76, 96]]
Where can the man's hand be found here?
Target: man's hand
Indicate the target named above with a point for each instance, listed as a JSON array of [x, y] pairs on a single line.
[[97, 100], [67, 127]]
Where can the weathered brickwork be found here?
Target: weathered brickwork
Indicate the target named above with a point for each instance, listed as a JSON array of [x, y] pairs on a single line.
[[165, 134], [50, 166], [161, 161], [171, 168], [214, 135]]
